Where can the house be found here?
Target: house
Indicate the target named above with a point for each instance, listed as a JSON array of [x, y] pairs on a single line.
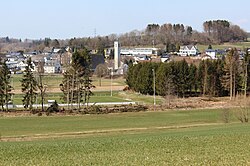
[[52, 67], [22, 64], [141, 58], [11, 58], [108, 52], [212, 53], [165, 57], [30, 54], [188, 50]]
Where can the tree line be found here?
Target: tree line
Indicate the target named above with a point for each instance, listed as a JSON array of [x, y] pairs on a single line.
[[76, 85], [220, 31], [169, 36], [223, 77]]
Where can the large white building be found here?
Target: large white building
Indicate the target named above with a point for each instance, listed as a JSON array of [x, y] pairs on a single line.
[[139, 51]]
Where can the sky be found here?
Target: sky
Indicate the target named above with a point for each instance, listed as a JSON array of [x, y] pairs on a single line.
[[64, 19]]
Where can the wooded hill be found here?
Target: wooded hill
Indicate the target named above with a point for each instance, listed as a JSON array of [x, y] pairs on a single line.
[[215, 32]]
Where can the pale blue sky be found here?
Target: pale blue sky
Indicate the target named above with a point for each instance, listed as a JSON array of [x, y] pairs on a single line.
[[79, 18]]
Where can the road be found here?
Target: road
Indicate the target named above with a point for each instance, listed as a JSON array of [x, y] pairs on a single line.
[[75, 104]]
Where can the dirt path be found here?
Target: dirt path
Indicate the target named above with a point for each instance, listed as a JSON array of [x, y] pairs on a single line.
[[97, 132]]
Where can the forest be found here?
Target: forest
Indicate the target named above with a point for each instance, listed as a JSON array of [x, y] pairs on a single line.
[[227, 76]]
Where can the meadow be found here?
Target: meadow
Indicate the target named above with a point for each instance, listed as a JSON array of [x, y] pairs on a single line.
[[53, 81], [101, 93], [187, 137], [239, 45]]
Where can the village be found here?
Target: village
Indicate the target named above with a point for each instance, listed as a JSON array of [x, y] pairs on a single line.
[[56, 60]]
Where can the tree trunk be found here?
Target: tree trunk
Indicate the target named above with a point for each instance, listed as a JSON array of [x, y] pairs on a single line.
[[72, 90], [205, 80], [245, 82], [231, 81]]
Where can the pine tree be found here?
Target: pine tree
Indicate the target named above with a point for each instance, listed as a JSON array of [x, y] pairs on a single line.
[[87, 84], [5, 87], [29, 86], [192, 78], [181, 77]]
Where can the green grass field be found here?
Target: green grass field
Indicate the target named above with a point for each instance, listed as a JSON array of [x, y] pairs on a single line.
[[103, 96], [100, 96], [53, 81], [188, 137], [240, 45]]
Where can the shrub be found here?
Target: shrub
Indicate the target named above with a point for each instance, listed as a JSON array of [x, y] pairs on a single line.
[[115, 109], [53, 108]]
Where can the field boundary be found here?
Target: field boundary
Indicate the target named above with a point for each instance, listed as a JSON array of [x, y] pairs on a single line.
[[96, 132]]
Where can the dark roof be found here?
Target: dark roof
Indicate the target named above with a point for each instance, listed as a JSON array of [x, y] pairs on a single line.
[[210, 50], [96, 60]]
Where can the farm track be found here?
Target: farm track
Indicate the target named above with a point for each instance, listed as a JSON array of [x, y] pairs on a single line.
[[97, 132]]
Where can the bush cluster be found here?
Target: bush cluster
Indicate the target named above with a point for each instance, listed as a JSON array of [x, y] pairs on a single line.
[[115, 109]]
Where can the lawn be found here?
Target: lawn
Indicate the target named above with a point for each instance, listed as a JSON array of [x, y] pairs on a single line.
[[176, 137]]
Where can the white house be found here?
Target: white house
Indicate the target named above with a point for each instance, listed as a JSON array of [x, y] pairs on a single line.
[[11, 58], [21, 65], [211, 53], [189, 50], [52, 67]]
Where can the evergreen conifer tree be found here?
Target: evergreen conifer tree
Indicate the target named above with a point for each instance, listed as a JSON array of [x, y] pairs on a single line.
[[29, 86], [5, 87]]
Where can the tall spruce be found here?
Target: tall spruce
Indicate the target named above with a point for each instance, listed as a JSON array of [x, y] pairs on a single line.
[[192, 79], [87, 81], [5, 87], [146, 79], [77, 83], [203, 77], [164, 77], [182, 80], [29, 86]]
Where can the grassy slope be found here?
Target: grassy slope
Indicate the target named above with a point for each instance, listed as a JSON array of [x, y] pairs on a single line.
[[12, 126], [217, 145]]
